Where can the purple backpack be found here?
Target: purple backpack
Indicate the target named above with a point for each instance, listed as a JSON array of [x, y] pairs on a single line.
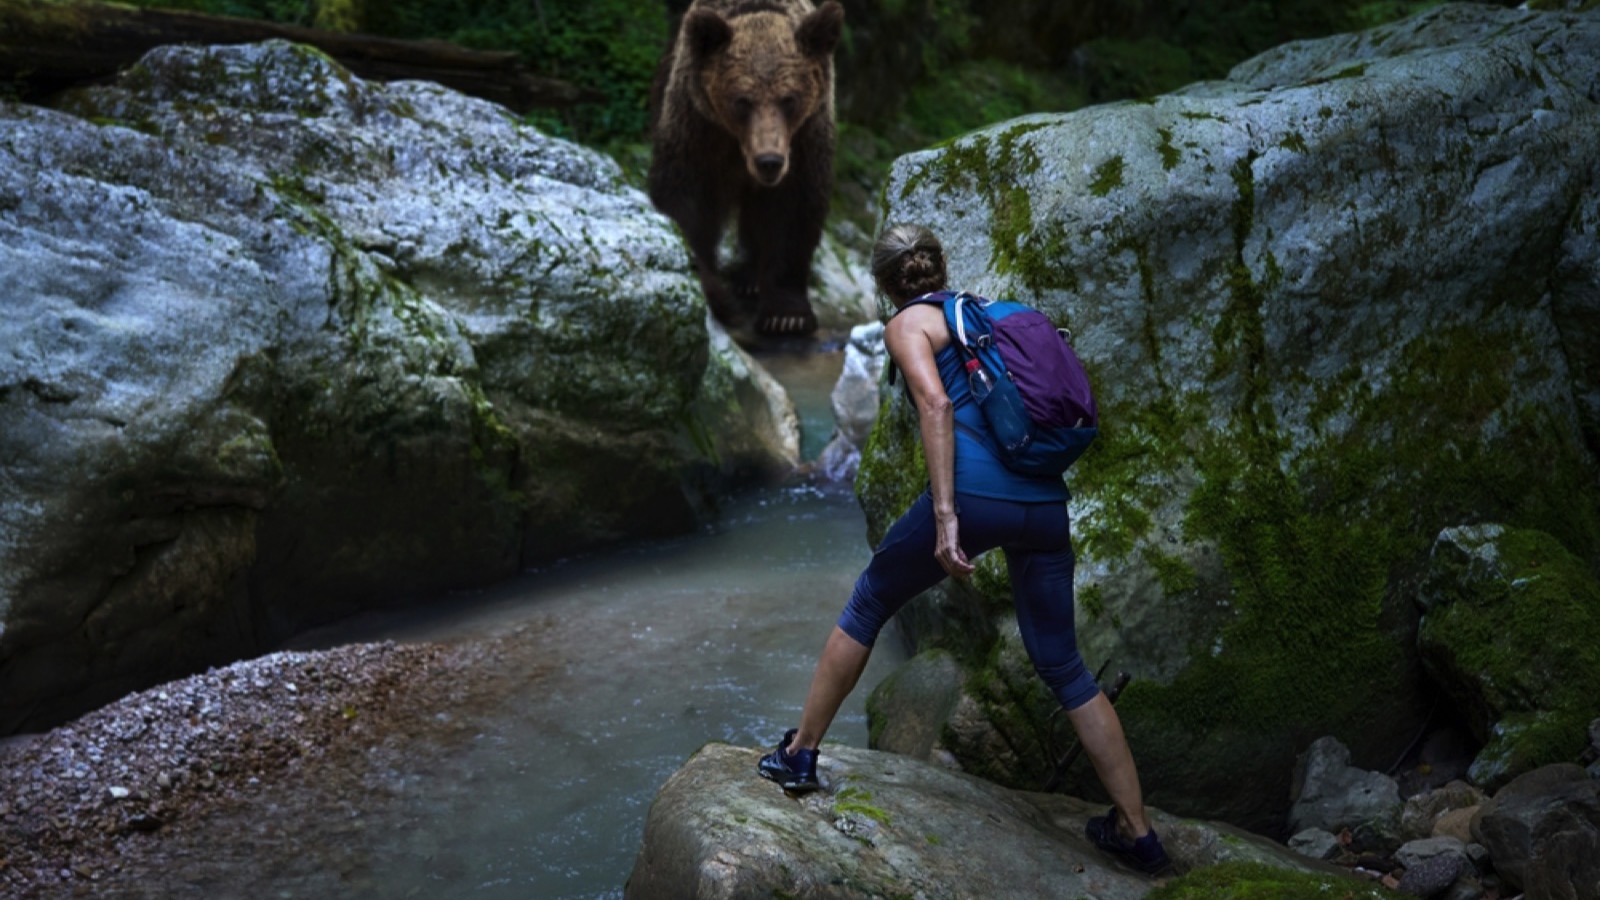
[[1040, 410]]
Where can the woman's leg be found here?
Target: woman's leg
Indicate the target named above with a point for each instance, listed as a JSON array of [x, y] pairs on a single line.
[[1100, 731], [838, 669], [1041, 564], [902, 567]]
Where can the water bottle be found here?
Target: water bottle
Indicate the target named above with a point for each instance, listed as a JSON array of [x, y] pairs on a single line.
[[1002, 409], [979, 381]]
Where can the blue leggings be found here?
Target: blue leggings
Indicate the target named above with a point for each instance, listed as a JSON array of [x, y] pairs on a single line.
[[1037, 541]]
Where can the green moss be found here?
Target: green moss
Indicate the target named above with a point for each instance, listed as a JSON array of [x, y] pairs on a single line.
[[857, 800], [893, 473], [1355, 71], [1174, 575], [1170, 155], [1136, 440], [1107, 177], [995, 166], [1520, 652], [991, 577], [1092, 601], [1259, 881], [1021, 709], [249, 454], [1293, 141]]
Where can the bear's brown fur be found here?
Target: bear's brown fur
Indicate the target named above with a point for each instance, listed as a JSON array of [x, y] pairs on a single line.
[[742, 122]]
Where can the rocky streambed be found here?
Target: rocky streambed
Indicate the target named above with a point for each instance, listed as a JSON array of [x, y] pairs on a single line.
[[101, 806]]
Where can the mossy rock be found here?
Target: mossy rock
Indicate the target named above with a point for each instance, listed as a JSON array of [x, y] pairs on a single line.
[[1298, 386], [1512, 633], [1259, 881]]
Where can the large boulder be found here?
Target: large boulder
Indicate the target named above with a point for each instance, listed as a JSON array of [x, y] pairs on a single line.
[[1511, 631], [889, 826], [1332, 305], [1543, 833], [279, 344]]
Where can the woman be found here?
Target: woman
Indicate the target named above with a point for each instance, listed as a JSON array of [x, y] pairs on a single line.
[[973, 503]]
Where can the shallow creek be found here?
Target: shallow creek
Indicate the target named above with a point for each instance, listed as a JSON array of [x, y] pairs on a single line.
[[632, 660]]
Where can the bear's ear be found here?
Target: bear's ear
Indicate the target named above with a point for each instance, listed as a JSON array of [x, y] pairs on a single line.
[[707, 33], [818, 32]]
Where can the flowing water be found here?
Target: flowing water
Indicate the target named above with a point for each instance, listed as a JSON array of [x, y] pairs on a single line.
[[630, 660]]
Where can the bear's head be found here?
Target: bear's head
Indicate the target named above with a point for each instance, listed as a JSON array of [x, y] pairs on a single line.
[[762, 74]]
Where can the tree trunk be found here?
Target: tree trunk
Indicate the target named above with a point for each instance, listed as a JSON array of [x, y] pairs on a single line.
[[46, 47]]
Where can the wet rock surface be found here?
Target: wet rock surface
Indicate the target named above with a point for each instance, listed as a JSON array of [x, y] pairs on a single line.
[[886, 825]]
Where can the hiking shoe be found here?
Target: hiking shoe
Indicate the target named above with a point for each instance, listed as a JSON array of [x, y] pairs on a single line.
[[796, 772], [1145, 854]]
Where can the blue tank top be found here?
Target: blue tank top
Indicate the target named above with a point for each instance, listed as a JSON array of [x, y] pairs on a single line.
[[978, 470]]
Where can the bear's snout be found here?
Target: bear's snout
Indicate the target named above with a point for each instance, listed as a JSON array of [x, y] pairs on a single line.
[[769, 168], [766, 144]]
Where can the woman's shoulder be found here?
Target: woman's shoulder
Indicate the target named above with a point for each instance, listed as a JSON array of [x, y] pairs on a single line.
[[921, 320]]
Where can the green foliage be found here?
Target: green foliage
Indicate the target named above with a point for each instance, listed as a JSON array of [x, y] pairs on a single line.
[[1140, 67], [1366, 15], [609, 46], [954, 99], [288, 12], [1258, 881]]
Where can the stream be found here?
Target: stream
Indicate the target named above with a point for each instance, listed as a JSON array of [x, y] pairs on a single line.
[[634, 658]]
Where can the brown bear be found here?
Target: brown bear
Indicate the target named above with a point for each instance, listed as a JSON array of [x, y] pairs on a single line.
[[742, 124]]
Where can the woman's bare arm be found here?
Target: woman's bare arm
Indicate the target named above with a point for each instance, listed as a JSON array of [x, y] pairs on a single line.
[[913, 337]]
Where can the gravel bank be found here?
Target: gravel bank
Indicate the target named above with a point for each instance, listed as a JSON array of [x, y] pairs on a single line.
[[92, 805]]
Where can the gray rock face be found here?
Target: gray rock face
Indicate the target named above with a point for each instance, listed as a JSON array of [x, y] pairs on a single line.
[[1330, 306], [279, 344], [1330, 794], [886, 825], [1543, 832]]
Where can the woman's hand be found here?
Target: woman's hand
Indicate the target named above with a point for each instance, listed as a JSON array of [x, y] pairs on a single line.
[[947, 548]]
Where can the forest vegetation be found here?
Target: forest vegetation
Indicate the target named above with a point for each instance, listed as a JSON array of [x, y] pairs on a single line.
[[912, 73]]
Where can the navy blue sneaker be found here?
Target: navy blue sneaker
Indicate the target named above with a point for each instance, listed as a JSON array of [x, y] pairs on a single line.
[[795, 772], [1145, 854]]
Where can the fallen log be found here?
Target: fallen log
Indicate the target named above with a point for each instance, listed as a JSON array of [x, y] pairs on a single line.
[[46, 47]]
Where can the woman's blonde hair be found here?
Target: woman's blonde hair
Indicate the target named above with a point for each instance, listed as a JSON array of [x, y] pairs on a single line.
[[908, 261]]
